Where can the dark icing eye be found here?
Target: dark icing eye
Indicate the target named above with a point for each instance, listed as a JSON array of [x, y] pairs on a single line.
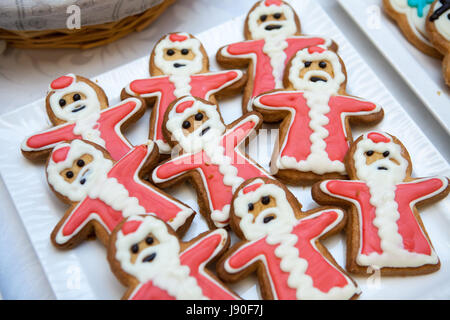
[[263, 17], [322, 64], [76, 97], [448, 16], [62, 102], [265, 200], [199, 116], [135, 248], [369, 153], [251, 207], [184, 51], [170, 52], [80, 163], [308, 64], [149, 240], [186, 124], [69, 174], [277, 15], [386, 154]]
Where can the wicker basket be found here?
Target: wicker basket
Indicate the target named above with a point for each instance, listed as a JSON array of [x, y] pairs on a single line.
[[86, 37]]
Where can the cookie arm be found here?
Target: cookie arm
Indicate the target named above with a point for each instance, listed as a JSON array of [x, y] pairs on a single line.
[[132, 162], [239, 260], [270, 104], [334, 191], [49, 138], [113, 120], [173, 168], [425, 189], [240, 130], [199, 254], [356, 107], [146, 87], [206, 85]]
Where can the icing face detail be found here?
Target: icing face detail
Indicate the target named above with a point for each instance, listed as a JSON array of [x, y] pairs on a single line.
[[274, 20], [316, 69], [147, 251], [76, 101], [263, 211], [178, 54], [380, 162], [74, 175], [195, 126], [441, 18]]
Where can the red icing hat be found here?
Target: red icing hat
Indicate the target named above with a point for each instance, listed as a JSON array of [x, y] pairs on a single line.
[[62, 82], [130, 226], [60, 154], [378, 137], [315, 49], [178, 37], [271, 2], [184, 105], [251, 188]]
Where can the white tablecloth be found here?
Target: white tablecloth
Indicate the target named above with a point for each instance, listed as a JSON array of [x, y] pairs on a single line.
[[25, 75]]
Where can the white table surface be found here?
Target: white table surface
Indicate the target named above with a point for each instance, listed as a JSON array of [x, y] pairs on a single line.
[[26, 74]]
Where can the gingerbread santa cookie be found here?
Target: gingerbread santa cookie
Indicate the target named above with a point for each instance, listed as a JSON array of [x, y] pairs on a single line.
[[384, 230], [438, 27], [78, 109], [410, 16], [272, 33], [315, 113], [210, 156], [179, 66], [282, 245], [101, 192], [146, 256]]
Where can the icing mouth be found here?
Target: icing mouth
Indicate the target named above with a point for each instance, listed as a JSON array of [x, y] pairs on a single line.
[[84, 176], [79, 108], [271, 27], [317, 79], [382, 168], [269, 218], [178, 65], [150, 257], [204, 131]]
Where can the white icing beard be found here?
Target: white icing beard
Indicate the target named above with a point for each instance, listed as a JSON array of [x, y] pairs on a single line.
[[317, 95], [275, 40], [195, 142], [84, 127], [253, 230], [97, 185], [78, 109], [92, 173], [382, 186], [258, 31], [443, 23], [165, 270], [189, 67]]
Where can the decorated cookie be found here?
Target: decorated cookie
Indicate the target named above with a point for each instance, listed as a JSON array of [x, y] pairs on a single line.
[[101, 192], [210, 155], [410, 16], [384, 230], [146, 256], [272, 33], [282, 245], [438, 27], [315, 113], [179, 66], [78, 109]]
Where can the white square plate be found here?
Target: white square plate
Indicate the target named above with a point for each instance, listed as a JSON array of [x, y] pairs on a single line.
[[422, 73], [83, 273]]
